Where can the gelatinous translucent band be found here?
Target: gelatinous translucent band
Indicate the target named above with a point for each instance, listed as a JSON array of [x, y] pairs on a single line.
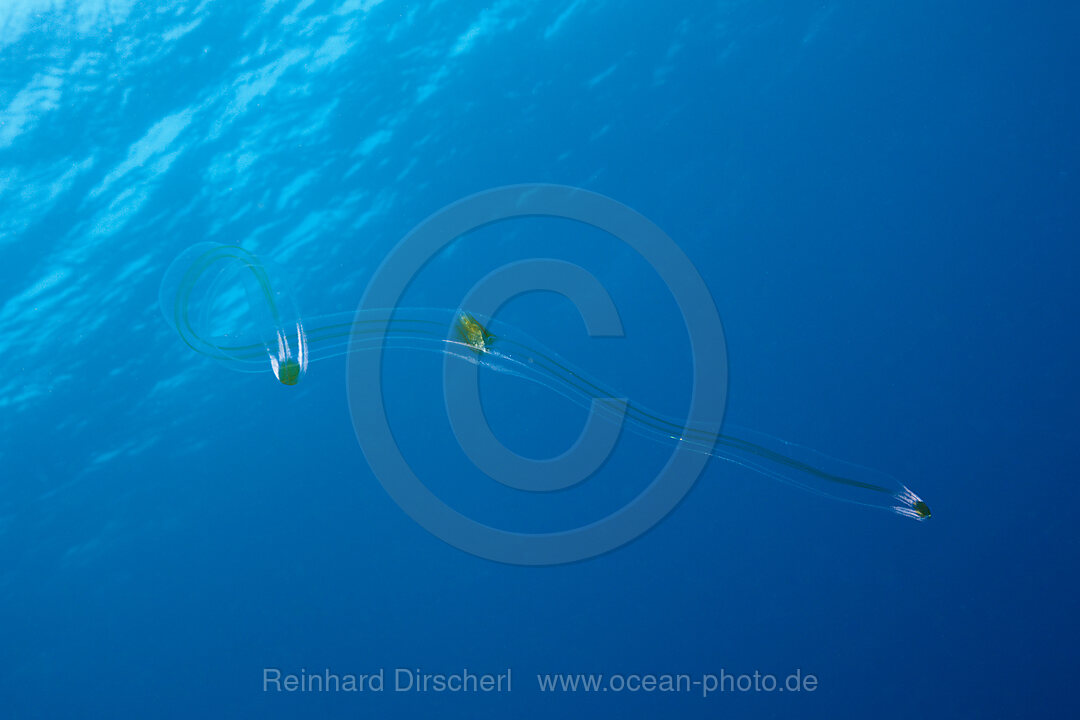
[[228, 305]]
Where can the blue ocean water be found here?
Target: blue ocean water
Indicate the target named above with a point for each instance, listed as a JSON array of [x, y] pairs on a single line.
[[881, 197]]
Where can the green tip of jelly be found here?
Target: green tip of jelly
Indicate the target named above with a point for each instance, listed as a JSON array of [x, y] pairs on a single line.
[[289, 372]]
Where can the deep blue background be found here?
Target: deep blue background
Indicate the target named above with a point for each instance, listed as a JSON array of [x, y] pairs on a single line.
[[881, 196]]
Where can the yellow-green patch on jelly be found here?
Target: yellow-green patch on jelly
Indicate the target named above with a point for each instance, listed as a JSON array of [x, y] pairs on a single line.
[[289, 372]]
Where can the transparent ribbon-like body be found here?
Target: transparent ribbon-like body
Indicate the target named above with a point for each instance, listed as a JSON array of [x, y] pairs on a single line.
[[226, 304]]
